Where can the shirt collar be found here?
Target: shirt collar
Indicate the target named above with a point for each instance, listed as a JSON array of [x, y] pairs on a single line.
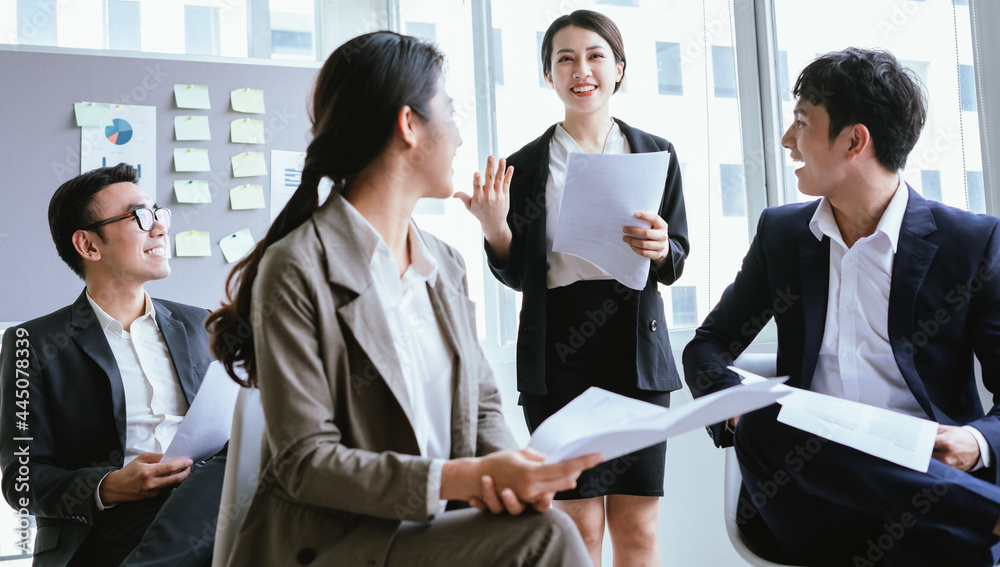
[[824, 223], [422, 263], [109, 323]]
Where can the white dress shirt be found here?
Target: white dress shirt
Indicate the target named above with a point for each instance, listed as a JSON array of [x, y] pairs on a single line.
[[564, 269], [154, 400], [855, 359], [424, 355]]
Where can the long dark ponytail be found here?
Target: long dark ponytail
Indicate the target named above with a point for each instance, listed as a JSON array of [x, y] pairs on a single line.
[[358, 95]]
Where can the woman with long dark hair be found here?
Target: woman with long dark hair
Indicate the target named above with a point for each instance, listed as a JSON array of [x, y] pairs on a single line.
[[356, 326], [579, 327]]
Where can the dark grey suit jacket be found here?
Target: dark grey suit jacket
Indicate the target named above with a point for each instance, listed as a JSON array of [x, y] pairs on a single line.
[[71, 397]]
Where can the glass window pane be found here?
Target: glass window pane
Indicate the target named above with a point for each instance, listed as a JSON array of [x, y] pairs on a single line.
[[724, 71], [684, 302], [123, 25], [632, 3], [668, 68], [422, 30], [977, 197], [497, 57], [930, 184], [539, 36], [36, 22], [201, 30], [924, 36], [733, 195]]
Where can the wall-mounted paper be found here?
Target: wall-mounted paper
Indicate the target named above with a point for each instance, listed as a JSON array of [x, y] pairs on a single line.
[[191, 128], [193, 243], [249, 164], [191, 159], [92, 113], [192, 96], [247, 131], [246, 197], [192, 191], [129, 138], [248, 100], [236, 246]]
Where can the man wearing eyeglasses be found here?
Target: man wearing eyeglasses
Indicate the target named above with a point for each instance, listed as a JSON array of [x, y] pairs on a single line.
[[93, 393]]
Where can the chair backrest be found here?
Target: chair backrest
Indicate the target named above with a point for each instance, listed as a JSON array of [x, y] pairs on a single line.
[[242, 467]]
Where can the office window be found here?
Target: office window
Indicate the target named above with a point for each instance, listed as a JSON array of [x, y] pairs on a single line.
[[967, 79], [36, 22], [668, 68], [977, 197], [422, 30], [629, 3], [201, 30], [292, 35], [961, 2], [734, 202], [497, 57], [791, 182], [930, 182], [784, 86], [123, 25], [724, 71], [684, 301]]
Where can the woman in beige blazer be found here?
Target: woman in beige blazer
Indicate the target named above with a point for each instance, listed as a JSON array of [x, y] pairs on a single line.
[[357, 328]]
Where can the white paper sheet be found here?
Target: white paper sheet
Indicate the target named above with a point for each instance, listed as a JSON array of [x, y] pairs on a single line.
[[599, 421], [602, 195], [898, 438], [209, 421]]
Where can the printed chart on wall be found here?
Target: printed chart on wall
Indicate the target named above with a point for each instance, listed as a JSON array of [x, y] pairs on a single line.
[[286, 174], [129, 136]]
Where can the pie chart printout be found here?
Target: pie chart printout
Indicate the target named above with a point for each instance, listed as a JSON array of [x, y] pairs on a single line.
[[119, 132]]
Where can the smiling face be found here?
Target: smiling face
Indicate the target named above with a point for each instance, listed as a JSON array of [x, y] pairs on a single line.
[[127, 253], [584, 72], [440, 142], [822, 159]]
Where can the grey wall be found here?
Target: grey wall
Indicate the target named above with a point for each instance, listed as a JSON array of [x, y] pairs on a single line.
[[40, 149]]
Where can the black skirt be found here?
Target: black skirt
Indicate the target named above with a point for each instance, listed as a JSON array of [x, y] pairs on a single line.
[[591, 341]]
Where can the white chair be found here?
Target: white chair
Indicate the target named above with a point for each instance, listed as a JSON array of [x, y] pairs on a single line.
[[762, 365], [242, 467]]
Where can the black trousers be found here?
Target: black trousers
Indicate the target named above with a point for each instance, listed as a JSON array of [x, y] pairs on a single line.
[[810, 501], [175, 529]]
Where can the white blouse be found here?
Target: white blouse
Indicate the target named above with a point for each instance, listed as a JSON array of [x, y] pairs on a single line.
[[564, 269]]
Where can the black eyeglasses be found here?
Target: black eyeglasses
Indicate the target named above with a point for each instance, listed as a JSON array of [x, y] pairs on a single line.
[[145, 217]]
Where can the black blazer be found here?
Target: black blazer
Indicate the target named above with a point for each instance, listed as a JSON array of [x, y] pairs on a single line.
[[76, 413], [944, 306], [525, 270]]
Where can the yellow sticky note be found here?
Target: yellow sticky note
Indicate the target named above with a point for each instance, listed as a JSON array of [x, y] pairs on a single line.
[[192, 191], [191, 159], [246, 197], [193, 243], [92, 113], [247, 100], [247, 131], [237, 245], [192, 96], [249, 164], [191, 128]]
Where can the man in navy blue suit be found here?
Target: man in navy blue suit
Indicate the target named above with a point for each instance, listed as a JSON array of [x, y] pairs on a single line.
[[882, 297], [92, 394]]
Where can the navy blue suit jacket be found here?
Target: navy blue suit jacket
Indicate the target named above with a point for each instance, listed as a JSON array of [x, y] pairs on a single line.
[[944, 307], [76, 413], [525, 269]]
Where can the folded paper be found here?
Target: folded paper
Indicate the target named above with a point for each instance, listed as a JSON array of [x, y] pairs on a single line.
[[237, 245]]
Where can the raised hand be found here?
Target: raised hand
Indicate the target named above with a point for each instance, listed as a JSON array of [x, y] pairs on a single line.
[[490, 199]]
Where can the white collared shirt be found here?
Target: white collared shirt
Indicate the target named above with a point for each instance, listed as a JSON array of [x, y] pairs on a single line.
[[855, 358], [424, 355], [564, 269], [154, 400]]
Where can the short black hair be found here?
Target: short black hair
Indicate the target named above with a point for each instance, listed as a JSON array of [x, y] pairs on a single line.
[[71, 208], [870, 87]]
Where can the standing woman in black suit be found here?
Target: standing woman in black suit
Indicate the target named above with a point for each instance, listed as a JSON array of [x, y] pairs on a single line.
[[579, 327]]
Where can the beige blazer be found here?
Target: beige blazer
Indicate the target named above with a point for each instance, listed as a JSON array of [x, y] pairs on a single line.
[[340, 462]]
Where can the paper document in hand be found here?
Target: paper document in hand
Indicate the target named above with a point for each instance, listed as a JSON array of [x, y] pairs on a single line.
[[898, 438], [209, 421], [602, 195], [613, 425]]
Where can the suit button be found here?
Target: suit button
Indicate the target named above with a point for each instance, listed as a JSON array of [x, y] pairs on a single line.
[[652, 325], [306, 556]]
